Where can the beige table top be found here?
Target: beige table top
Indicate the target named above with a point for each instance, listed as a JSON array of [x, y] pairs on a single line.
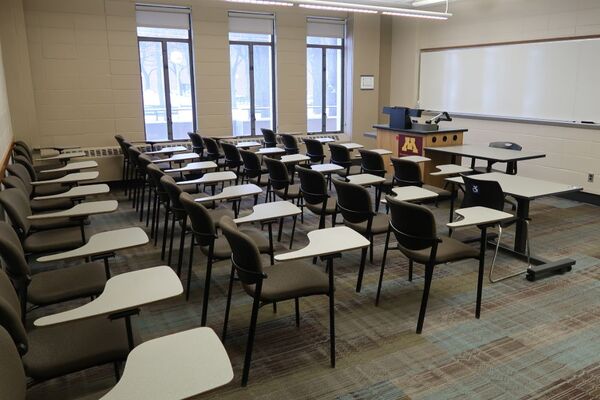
[[70, 178], [80, 210], [412, 193], [177, 158], [233, 192], [212, 177], [270, 150], [327, 241], [417, 159], [365, 179], [269, 211], [195, 166], [478, 216], [323, 139], [352, 146], [78, 191], [486, 153], [103, 242], [63, 156], [327, 167], [247, 144], [520, 186], [382, 152], [450, 169], [167, 150], [75, 166], [57, 147], [294, 158], [124, 292], [174, 367]]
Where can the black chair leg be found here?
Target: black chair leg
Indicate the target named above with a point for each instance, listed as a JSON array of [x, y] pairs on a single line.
[[153, 212], [297, 307], [171, 238], [371, 250], [251, 333], [361, 270], [165, 232], [209, 262], [385, 250], [410, 270], [227, 305], [189, 273], [293, 230], [181, 245], [280, 230], [142, 199], [428, 278]]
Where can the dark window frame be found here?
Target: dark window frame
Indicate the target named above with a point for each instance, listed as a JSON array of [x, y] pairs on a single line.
[[324, 48], [164, 42], [250, 44]]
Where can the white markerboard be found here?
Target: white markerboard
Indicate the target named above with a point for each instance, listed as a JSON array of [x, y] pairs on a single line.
[[554, 80]]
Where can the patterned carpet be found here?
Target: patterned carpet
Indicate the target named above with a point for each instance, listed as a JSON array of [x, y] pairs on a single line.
[[535, 340]]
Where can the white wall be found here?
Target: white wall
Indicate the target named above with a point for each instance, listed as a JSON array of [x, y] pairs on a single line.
[[571, 153], [6, 135]]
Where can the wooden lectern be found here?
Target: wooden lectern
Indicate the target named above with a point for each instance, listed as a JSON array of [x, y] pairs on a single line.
[[412, 142]]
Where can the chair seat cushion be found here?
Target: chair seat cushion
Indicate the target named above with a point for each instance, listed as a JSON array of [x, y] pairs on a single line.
[[51, 204], [264, 180], [354, 170], [222, 250], [219, 213], [64, 348], [46, 176], [448, 250], [50, 189], [67, 283], [53, 240], [292, 193], [53, 223], [441, 192], [288, 280], [330, 208], [379, 225]]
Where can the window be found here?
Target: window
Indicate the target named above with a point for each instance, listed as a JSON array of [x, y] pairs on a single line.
[[164, 41], [325, 75], [252, 78]]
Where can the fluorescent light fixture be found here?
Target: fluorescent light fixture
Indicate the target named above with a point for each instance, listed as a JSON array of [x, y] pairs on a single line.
[[421, 3], [337, 8], [401, 14], [262, 2], [371, 9]]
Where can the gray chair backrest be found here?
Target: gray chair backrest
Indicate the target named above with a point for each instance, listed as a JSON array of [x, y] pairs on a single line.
[[12, 254], [20, 172], [18, 209], [173, 191], [13, 182], [28, 165], [244, 253], [412, 224], [202, 224], [13, 383], [10, 314]]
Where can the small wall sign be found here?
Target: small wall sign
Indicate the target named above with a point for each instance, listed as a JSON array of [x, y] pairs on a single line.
[[367, 82]]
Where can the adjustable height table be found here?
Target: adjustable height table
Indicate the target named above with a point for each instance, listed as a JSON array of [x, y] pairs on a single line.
[[525, 190]]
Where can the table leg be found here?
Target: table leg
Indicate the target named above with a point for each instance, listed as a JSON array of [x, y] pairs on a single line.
[[270, 224], [482, 246], [521, 225]]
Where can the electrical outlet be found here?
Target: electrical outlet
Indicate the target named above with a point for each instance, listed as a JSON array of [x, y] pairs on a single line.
[[590, 177]]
